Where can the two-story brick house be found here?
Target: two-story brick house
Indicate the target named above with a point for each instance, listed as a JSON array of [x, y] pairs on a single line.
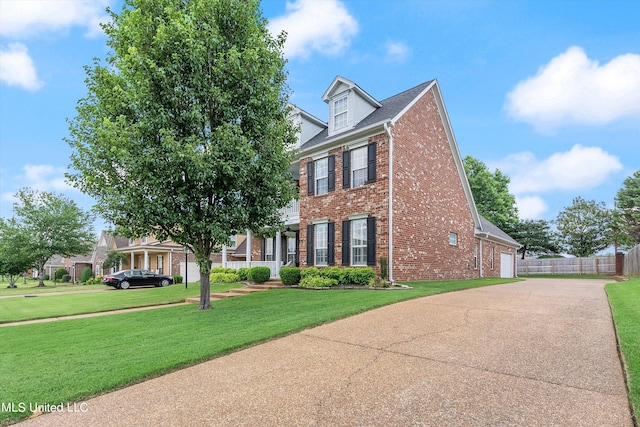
[[386, 179]]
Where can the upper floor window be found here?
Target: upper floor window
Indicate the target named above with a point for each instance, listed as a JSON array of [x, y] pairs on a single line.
[[340, 113], [322, 176], [359, 167], [233, 241], [143, 240]]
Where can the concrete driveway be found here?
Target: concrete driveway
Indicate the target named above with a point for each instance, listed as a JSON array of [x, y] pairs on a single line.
[[534, 353]]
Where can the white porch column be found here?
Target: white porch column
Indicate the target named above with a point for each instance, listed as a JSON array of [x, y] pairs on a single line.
[[133, 259], [171, 263], [224, 256], [248, 252], [146, 259], [278, 253]]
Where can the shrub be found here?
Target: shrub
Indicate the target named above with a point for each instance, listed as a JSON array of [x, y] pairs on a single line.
[[383, 267], [46, 277], [243, 273], [290, 275], [224, 277], [65, 278], [177, 279], [317, 282], [94, 280], [224, 270], [335, 273], [86, 274], [259, 274], [310, 271], [59, 273], [362, 276]]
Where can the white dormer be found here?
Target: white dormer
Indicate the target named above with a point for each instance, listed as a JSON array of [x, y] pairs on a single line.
[[309, 126], [348, 105]]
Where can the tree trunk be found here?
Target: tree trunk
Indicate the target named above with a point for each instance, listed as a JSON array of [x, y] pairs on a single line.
[[204, 262], [40, 275]]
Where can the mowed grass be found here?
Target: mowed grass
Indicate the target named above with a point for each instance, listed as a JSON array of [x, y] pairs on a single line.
[[71, 360], [624, 298], [42, 307], [31, 287], [565, 276]]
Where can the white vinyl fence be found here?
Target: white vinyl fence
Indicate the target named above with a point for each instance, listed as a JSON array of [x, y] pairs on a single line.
[[632, 262], [591, 265]]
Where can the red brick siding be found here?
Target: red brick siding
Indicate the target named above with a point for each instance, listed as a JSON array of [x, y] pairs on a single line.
[[487, 271], [338, 205], [429, 201]]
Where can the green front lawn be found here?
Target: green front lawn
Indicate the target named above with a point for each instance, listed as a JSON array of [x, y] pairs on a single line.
[[71, 360], [42, 307], [31, 287], [624, 298]]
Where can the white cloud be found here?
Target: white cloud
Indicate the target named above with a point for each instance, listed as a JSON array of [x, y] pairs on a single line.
[[16, 68], [396, 52], [312, 25], [20, 19], [45, 178], [531, 207], [577, 169], [573, 89]]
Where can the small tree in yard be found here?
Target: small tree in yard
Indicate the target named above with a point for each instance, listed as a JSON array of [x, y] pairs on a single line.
[[54, 225], [115, 259], [627, 213], [184, 133], [584, 228], [15, 258], [535, 236]]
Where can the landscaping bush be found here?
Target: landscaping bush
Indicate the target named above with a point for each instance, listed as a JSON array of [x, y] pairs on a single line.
[[362, 276], [224, 270], [317, 282], [65, 278], [87, 274], [290, 275], [309, 272], [243, 273], [259, 274], [177, 279], [335, 273], [224, 277], [94, 280], [383, 267], [46, 277], [59, 273]]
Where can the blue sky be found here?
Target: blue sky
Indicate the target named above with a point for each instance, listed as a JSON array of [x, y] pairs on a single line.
[[546, 91]]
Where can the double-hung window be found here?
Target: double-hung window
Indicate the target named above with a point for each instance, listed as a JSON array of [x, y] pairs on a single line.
[[359, 242], [475, 256], [321, 244], [291, 250], [340, 113], [358, 167], [322, 176], [268, 249]]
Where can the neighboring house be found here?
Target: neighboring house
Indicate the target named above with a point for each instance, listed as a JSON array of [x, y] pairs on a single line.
[[385, 179], [76, 264], [50, 267]]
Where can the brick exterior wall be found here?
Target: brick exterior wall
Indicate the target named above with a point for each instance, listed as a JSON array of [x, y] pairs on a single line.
[[336, 206]]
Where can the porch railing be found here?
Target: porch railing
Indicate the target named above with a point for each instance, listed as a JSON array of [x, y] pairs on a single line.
[[291, 212], [273, 267]]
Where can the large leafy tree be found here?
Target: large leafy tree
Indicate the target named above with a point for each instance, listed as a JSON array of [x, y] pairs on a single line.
[[15, 258], [535, 236], [55, 225], [627, 213], [491, 193], [184, 131], [584, 228]]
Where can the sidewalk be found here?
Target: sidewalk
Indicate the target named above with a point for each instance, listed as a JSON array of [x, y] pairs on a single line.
[[534, 353]]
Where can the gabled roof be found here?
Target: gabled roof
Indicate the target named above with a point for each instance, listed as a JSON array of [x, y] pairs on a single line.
[[388, 110], [339, 80], [492, 231], [310, 117]]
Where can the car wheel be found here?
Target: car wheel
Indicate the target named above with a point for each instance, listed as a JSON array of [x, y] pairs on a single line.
[[124, 285], [164, 282]]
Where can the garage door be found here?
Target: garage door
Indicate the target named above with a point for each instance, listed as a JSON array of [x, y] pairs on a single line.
[[506, 265]]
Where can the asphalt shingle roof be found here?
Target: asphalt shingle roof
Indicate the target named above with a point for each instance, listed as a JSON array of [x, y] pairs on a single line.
[[390, 108], [489, 227]]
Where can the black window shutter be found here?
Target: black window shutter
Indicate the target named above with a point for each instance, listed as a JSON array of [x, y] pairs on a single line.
[[309, 245], [346, 240], [330, 243], [262, 249], [371, 162], [310, 178], [371, 241], [331, 178], [346, 169]]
